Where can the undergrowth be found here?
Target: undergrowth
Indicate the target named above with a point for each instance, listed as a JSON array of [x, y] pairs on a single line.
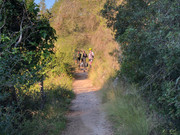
[[50, 120], [127, 111]]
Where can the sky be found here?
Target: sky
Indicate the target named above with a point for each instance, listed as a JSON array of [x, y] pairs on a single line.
[[49, 3]]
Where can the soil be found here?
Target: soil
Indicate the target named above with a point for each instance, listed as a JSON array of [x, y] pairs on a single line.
[[86, 116]]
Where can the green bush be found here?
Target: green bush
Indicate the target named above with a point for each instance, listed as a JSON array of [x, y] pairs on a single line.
[[28, 56], [148, 35]]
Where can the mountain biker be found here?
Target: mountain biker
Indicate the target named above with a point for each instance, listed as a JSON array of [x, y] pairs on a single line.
[[91, 56], [84, 59]]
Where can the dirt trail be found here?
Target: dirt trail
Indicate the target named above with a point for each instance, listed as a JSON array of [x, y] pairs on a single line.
[[86, 116]]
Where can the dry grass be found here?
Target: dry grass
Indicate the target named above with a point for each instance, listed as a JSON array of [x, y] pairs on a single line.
[[104, 65], [127, 111]]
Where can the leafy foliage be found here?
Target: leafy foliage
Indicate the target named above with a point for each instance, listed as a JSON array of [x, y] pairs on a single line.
[[148, 34], [26, 46]]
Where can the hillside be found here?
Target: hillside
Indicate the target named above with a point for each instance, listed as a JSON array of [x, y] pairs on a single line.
[[80, 27]]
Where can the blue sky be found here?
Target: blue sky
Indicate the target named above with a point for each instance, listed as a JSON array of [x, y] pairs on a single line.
[[49, 3]]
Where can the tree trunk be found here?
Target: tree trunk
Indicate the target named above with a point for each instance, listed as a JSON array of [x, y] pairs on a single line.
[[14, 94], [42, 93]]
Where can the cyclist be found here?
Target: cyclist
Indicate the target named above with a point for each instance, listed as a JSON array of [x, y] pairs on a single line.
[[91, 57]]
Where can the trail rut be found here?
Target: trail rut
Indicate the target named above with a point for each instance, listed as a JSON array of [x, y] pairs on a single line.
[[86, 116]]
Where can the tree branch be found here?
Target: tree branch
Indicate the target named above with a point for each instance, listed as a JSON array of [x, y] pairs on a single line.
[[21, 30]]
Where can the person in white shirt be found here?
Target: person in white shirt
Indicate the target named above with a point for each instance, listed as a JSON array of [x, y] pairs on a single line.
[[91, 57]]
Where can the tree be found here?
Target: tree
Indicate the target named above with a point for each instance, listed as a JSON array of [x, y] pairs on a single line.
[[148, 36], [26, 41], [42, 6], [29, 2], [109, 12]]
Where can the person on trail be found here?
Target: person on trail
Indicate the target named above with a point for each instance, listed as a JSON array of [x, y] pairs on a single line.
[[78, 58], [91, 57], [84, 59]]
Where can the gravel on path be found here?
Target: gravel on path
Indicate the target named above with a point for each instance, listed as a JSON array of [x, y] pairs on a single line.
[[86, 116]]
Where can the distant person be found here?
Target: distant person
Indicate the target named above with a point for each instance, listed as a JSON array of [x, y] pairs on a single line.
[[91, 57], [84, 59], [78, 58]]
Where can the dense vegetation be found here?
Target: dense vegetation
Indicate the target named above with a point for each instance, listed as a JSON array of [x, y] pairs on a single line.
[[148, 34], [28, 101]]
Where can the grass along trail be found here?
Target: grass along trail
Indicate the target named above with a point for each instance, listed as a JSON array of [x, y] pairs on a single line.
[[86, 116]]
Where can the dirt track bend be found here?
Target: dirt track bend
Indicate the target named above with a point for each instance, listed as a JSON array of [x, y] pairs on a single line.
[[86, 116]]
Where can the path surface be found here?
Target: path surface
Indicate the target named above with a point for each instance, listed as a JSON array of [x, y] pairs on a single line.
[[86, 116]]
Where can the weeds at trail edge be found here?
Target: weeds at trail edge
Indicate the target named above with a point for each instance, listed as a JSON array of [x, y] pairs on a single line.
[[127, 111], [51, 120]]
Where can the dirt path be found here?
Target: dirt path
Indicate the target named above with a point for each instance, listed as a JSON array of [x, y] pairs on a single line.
[[86, 116]]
